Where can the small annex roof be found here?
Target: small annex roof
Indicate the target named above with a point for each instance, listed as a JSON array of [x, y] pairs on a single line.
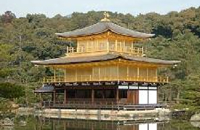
[[45, 89], [105, 57], [102, 27]]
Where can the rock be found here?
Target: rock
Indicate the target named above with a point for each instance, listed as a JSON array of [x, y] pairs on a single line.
[[163, 112], [22, 123], [6, 122], [13, 105], [195, 124], [195, 117]]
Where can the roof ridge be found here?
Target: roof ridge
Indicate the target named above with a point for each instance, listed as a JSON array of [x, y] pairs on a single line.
[[103, 26]]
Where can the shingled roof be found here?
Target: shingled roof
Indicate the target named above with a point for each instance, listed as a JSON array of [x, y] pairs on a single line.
[[105, 57], [45, 89], [102, 27]]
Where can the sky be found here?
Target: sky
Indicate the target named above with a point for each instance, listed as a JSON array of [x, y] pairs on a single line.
[[65, 7]]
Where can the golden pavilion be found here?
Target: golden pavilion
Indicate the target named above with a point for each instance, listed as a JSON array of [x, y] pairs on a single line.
[[103, 70]]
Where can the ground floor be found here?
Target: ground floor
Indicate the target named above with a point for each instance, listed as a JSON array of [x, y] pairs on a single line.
[[110, 96]]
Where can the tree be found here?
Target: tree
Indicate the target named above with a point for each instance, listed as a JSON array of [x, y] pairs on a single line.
[[11, 91], [7, 17]]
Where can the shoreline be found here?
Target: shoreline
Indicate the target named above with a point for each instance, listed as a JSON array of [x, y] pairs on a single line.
[[106, 115]]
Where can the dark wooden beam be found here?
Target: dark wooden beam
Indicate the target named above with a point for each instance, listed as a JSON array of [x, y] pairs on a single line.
[[65, 96], [117, 95], [54, 97], [92, 95]]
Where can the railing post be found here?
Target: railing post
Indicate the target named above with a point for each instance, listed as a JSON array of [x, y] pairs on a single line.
[[54, 74], [67, 50]]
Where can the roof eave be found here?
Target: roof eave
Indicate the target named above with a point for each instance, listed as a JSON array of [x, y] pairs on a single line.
[[76, 36]]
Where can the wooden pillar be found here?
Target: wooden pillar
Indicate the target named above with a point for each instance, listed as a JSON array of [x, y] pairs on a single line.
[[41, 99], [54, 74], [99, 74], [138, 73], [65, 75], [103, 93], [116, 45], [118, 72], [76, 75], [137, 96], [108, 45], [156, 74], [92, 96], [117, 95], [124, 46], [147, 74], [120, 46], [64, 125], [53, 125], [127, 74], [54, 97], [65, 96], [157, 94]]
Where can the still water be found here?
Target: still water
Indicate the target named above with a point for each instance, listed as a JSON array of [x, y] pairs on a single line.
[[38, 123]]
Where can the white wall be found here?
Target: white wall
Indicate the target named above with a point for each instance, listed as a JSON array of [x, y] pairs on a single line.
[[147, 96], [152, 96], [151, 126], [143, 96], [143, 126]]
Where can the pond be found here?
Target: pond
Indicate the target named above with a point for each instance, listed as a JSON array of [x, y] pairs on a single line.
[[39, 123]]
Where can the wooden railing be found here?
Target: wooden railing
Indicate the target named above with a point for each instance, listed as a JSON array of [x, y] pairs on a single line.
[[100, 105], [127, 50], [89, 78]]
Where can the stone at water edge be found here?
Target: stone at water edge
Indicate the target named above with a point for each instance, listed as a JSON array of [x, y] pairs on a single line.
[[22, 123], [6, 122], [195, 124], [195, 117]]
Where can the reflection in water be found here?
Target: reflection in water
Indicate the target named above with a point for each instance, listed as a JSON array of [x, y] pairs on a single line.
[[147, 126], [97, 125], [37, 123]]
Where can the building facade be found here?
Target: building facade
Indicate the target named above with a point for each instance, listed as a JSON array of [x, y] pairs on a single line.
[[104, 69]]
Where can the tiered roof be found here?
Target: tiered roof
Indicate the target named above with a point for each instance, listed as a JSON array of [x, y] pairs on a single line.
[[101, 27], [104, 57], [98, 28]]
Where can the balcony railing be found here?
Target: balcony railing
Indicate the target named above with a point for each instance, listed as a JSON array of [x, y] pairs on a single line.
[[127, 50], [96, 78], [103, 104]]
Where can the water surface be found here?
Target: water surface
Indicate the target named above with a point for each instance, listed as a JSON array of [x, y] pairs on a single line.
[[38, 123]]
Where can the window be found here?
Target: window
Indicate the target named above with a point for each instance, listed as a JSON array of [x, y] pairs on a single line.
[[122, 93], [98, 94], [83, 94], [109, 93], [70, 93]]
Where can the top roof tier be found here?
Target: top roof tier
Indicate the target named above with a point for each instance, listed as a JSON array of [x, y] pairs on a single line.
[[101, 27]]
